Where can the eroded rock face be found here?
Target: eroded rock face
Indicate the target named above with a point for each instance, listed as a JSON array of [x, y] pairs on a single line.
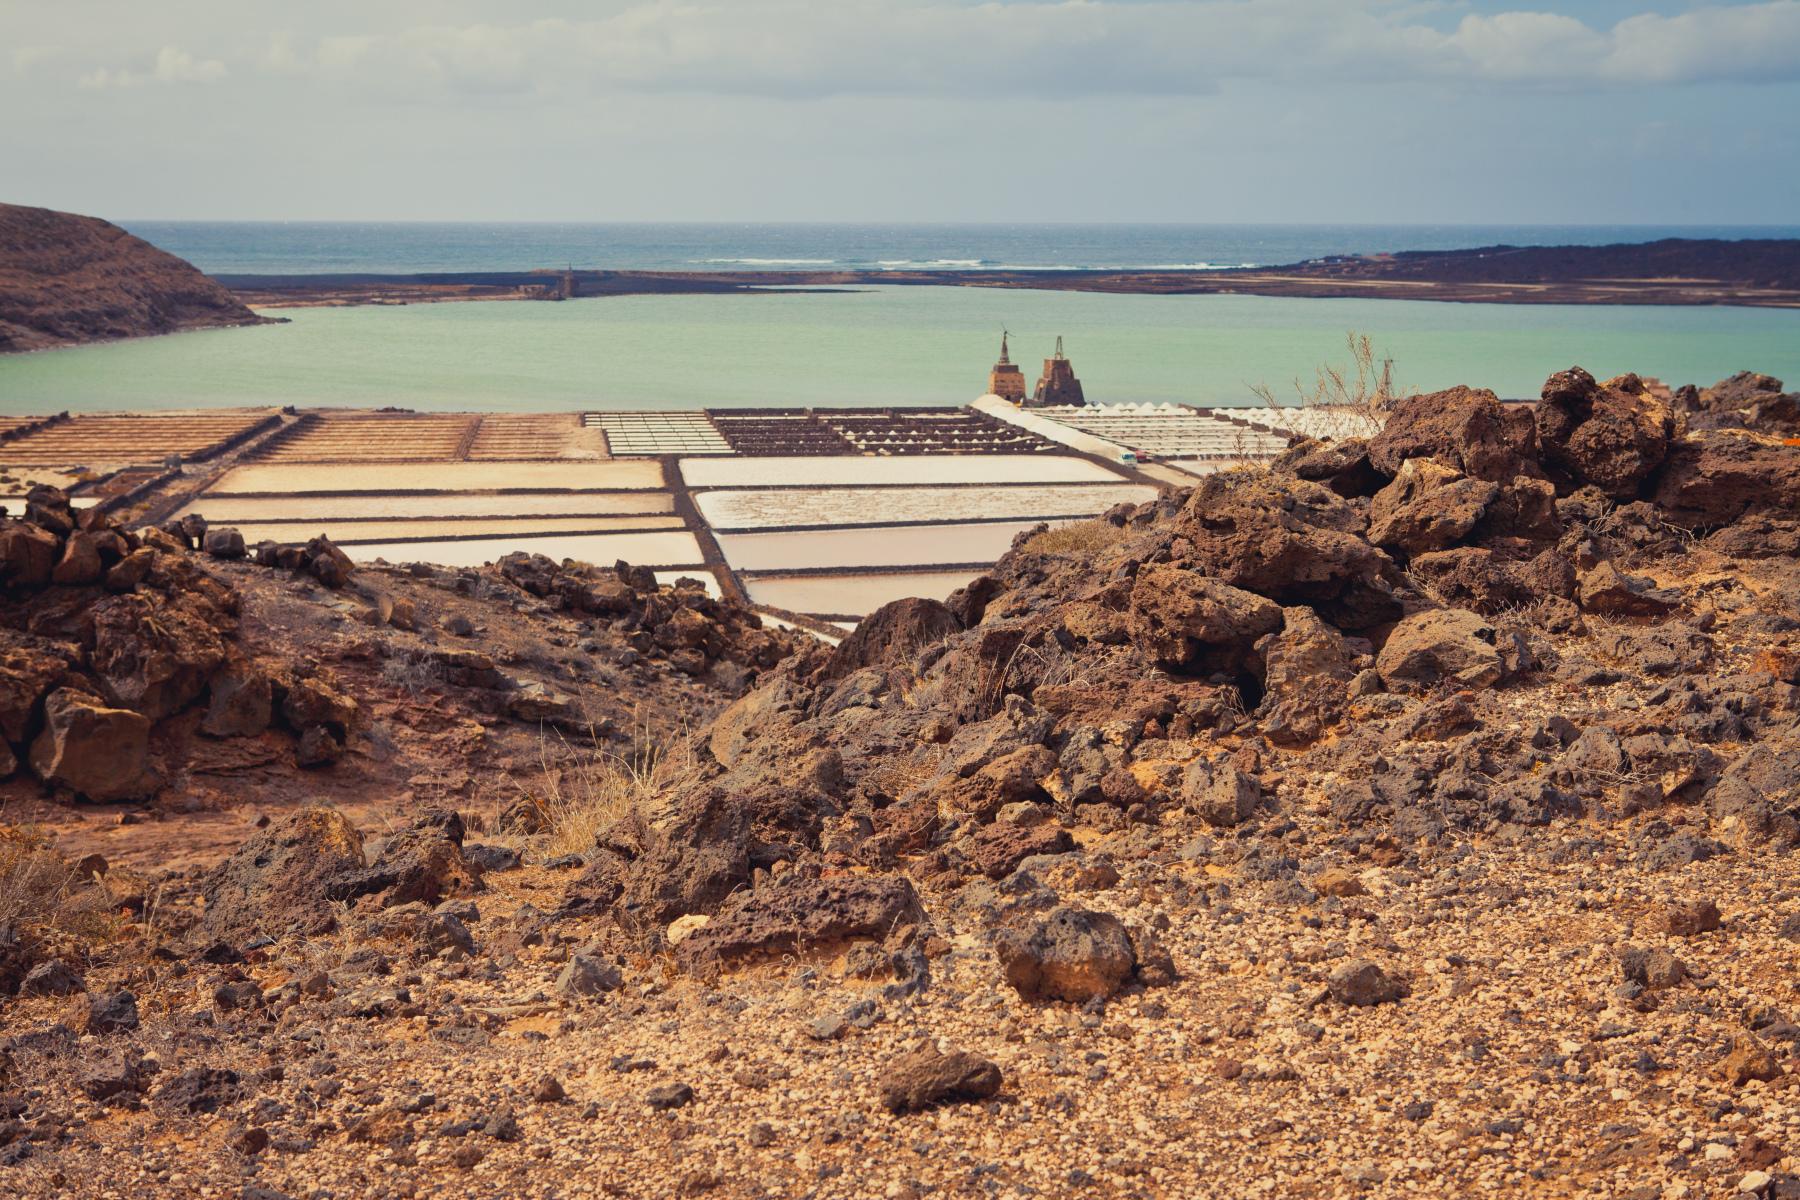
[[242, 702], [1073, 954], [1714, 477], [1445, 645], [1306, 669], [699, 858], [1186, 621], [154, 657], [891, 635], [1612, 436], [1467, 428], [97, 752], [284, 879], [28, 554], [1290, 541], [803, 916], [1428, 506]]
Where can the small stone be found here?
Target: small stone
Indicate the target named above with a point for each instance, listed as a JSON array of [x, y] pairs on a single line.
[[1749, 1060], [1359, 983], [585, 976], [669, 1096], [1688, 918], [549, 1090], [761, 1134], [925, 1077], [115, 1012]]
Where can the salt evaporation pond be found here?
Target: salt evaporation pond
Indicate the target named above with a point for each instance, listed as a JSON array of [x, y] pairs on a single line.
[[852, 506], [265, 478], [645, 549], [347, 532], [228, 510], [900, 546], [852, 595], [857, 470]]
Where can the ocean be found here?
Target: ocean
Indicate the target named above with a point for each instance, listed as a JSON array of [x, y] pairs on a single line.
[[875, 346], [299, 247]]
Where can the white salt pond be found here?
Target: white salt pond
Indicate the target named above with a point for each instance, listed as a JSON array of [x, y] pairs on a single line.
[[900, 546], [673, 549], [350, 532], [853, 470], [852, 595], [263, 478], [851, 506], [230, 510]]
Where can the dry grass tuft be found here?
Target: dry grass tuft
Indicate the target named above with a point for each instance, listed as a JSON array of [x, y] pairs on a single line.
[[590, 789], [1079, 539], [43, 895]]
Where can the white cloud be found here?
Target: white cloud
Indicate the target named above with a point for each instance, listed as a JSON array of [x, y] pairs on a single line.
[[1061, 47], [171, 65]]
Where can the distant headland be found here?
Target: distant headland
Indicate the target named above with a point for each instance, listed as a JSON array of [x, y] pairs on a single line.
[[1762, 273]]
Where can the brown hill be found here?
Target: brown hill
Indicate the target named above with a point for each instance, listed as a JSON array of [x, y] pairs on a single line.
[[67, 279]]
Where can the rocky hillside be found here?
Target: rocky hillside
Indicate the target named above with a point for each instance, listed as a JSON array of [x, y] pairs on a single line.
[[1414, 817], [67, 279]]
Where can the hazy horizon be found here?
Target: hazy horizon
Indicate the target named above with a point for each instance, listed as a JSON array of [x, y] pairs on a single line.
[[1371, 112]]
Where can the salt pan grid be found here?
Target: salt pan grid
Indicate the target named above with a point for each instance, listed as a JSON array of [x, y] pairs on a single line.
[[503, 437], [372, 437], [779, 432], [931, 431], [111, 438], [653, 433], [350, 532], [1168, 430], [1315, 421]]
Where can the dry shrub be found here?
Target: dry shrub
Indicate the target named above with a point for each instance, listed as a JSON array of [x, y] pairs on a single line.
[[589, 789], [1078, 539], [43, 896], [1365, 388]]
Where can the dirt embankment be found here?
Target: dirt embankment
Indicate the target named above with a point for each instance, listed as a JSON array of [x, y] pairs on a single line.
[[67, 279]]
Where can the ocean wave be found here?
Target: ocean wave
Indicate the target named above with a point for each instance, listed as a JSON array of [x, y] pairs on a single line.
[[772, 262], [921, 264]]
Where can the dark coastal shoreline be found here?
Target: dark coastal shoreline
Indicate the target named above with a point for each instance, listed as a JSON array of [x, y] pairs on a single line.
[[1761, 273]]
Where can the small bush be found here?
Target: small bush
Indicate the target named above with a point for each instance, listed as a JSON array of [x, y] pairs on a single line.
[[1079, 539], [593, 789], [43, 896]]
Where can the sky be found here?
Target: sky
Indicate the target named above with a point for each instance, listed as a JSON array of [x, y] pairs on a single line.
[[1354, 111]]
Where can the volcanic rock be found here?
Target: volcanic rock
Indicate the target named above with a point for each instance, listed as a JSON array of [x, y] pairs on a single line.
[[1180, 617], [802, 916], [1445, 645], [285, 878], [97, 752], [1467, 428], [1714, 477], [1427, 507], [1072, 954], [924, 1077], [1613, 435]]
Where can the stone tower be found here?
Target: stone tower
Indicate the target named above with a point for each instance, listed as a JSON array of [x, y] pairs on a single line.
[[1006, 380], [1058, 384]]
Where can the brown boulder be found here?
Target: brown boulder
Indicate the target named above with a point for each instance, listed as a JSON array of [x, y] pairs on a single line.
[[798, 916], [891, 635], [1428, 506], [1749, 1060], [155, 656], [241, 703], [1219, 793], [28, 554], [80, 563], [1073, 954], [997, 850], [26, 674], [1306, 669], [1613, 435], [696, 860], [312, 702], [100, 753], [1185, 621], [1714, 477], [1444, 645], [924, 1078], [285, 878], [1343, 466], [1291, 541], [1467, 428], [1608, 590]]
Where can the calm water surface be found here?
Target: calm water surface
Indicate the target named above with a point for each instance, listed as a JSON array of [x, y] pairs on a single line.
[[882, 346]]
